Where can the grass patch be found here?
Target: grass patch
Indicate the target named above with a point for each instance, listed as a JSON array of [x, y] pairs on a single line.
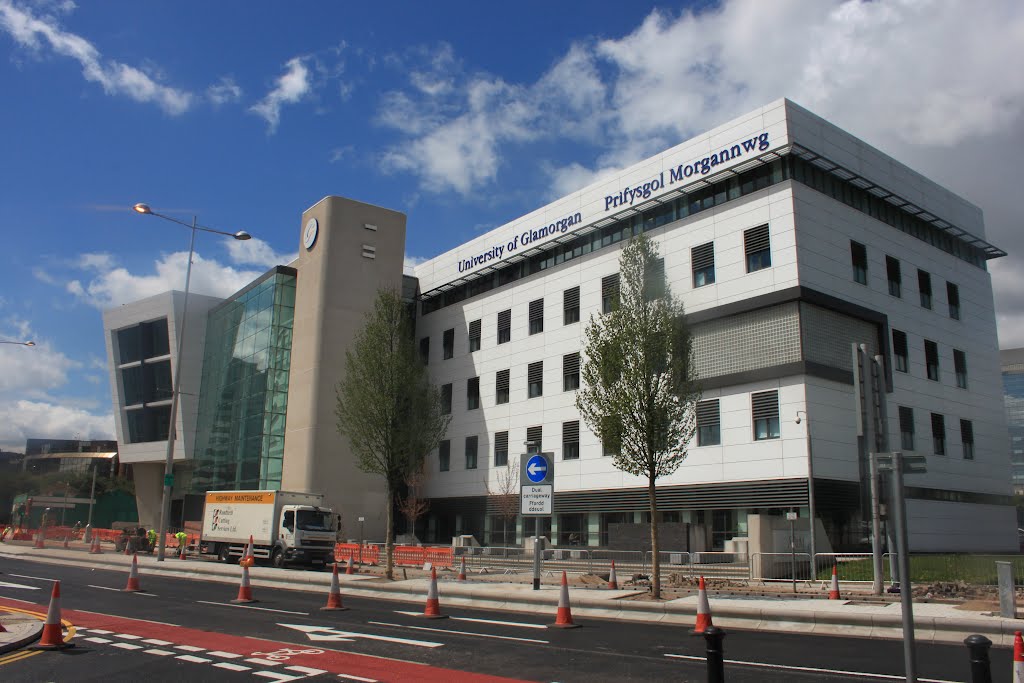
[[974, 569]]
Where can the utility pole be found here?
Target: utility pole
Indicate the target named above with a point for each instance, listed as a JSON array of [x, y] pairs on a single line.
[[860, 379], [92, 499]]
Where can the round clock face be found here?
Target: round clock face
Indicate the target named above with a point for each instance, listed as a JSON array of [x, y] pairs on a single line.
[[309, 234]]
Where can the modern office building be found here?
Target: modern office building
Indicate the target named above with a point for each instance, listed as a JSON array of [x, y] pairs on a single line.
[[788, 240], [76, 456], [1013, 395]]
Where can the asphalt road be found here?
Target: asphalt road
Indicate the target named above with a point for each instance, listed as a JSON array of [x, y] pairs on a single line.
[[181, 628]]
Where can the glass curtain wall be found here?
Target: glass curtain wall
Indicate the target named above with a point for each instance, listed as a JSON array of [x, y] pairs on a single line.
[[244, 395]]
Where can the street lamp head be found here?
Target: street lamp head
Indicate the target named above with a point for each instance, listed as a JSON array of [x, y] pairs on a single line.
[[30, 343], [142, 208], [242, 235]]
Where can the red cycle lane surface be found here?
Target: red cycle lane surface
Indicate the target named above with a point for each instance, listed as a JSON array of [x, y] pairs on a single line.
[[255, 653]]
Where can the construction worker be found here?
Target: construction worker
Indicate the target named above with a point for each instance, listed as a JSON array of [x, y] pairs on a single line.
[[151, 537], [182, 540]]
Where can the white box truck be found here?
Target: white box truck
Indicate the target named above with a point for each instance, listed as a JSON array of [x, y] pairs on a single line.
[[286, 527]]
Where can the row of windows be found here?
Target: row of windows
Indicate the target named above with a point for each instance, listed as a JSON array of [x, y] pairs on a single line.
[[765, 425], [534, 384], [900, 354], [893, 270], [703, 199], [938, 425], [757, 246]]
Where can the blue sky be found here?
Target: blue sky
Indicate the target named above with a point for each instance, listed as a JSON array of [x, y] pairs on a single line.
[[462, 115]]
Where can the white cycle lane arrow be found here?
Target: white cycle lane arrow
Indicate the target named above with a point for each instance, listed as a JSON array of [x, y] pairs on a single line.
[[5, 584], [328, 634]]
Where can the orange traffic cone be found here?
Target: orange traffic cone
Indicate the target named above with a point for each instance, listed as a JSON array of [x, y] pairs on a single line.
[[703, 610], [181, 554], [53, 635], [563, 618], [334, 597], [348, 569], [833, 593], [1018, 658], [613, 581], [133, 577], [462, 572], [245, 588], [432, 610], [95, 548], [249, 556], [40, 542]]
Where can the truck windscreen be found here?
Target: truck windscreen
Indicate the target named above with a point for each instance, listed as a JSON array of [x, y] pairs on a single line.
[[312, 520]]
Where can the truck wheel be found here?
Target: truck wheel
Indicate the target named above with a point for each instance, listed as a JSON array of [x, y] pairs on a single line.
[[277, 559], [224, 553]]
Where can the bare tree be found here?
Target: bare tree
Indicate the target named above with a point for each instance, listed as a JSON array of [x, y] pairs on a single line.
[[413, 505], [505, 496]]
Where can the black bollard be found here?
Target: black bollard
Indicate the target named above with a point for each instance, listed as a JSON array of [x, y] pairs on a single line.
[[716, 663], [981, 668]]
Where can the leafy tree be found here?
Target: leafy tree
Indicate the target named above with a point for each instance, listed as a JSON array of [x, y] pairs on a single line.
[[386, 404], [640, 390], [413, 505]]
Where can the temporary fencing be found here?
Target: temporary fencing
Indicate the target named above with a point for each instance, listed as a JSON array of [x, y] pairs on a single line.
[[765, 567]]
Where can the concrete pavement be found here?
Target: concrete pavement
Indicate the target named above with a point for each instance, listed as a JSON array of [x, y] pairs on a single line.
[[20, 629], [933, 622]]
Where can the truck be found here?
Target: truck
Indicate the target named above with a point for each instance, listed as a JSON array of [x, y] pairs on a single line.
[[285, 526]]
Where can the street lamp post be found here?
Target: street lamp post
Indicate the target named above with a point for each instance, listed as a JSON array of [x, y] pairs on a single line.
[[19, 343], [165, 503], [810, 488]]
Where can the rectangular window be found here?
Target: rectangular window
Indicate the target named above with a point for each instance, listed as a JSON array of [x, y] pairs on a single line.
[[859, 259], [500, 449], [448, 343], [474, 336], [960, 367], [471, 442], [472, 393], [939, 434], [967, 438], [504, 326], [425, 350], [571, 372], [535, 437], [535, 379], [446, 399], [571, 440], [765, 409], [501, 383], [931, 359], [536, 316], [444, 455], [892, 270], [757, 244], [609, 293], [654, 279], [953, 298], [924, 286], [709, 423], [906, 428], [571, 306], [703, 259], [899, 349]]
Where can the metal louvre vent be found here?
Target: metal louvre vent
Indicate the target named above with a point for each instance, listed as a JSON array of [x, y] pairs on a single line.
[[535, 372], [535, 434], [501, 381], [571, 431], [537, 310], [654, 279], [505, 320], [765, 404], [756, 239], [500, 441], [571, 297], [938, 426], [708, 413], [899, 342], [966, 431], [610, 286], [474, 329], [906, 419], [570, 363], [703, 256]]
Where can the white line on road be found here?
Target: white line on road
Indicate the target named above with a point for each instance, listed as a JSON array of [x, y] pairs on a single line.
[[811, 669], [127, 636], [27, 602], [126, 646], [480, 621], [263, 662], [37, 578], [100, 631], [232, 667], [262, 609], [357, 678], [306, 670], [273, 675], [161, 653], [225, 655], [5, 584], [190, 648], [155, 641], [118, 590], [462, 633], [194, 660], [101, 641]]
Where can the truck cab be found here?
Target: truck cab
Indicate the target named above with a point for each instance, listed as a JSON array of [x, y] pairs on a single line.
[[306, 535]]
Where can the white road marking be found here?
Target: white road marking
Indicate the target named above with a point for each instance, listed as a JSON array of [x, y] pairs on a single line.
[[127, 636], [262, 609], [194, 660], [118, 590], [273, 675], [811, 669], [37, 578], [100, 631], [479, 621], [262, 662], [328, 633], [101, 641], [232, 667], [27, 602], [6, 584], [126, 646], [462, 633], [161, 653], [190, 648], [225, 655], [357, 678], [155, 641], [306, 670]]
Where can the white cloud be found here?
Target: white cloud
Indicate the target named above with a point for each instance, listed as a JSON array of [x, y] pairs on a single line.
[[95, 261], [290, 88], [36, 33], [43, 275], [23, 419], [225, 91], [410, 263], [256, 252]]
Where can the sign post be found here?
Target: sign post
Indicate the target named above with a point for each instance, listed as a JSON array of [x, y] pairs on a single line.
[[536, 496]]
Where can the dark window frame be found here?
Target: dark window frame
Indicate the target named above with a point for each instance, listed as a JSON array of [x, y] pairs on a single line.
[[894, 274], [473, 393], [859, 262], [448, 344], [535, 379]]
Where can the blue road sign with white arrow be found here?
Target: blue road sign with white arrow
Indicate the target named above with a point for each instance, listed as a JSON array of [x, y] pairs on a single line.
[[537, 468]]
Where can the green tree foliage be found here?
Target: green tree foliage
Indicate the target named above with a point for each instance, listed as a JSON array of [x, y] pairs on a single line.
[[386, 405], [640, 390]]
